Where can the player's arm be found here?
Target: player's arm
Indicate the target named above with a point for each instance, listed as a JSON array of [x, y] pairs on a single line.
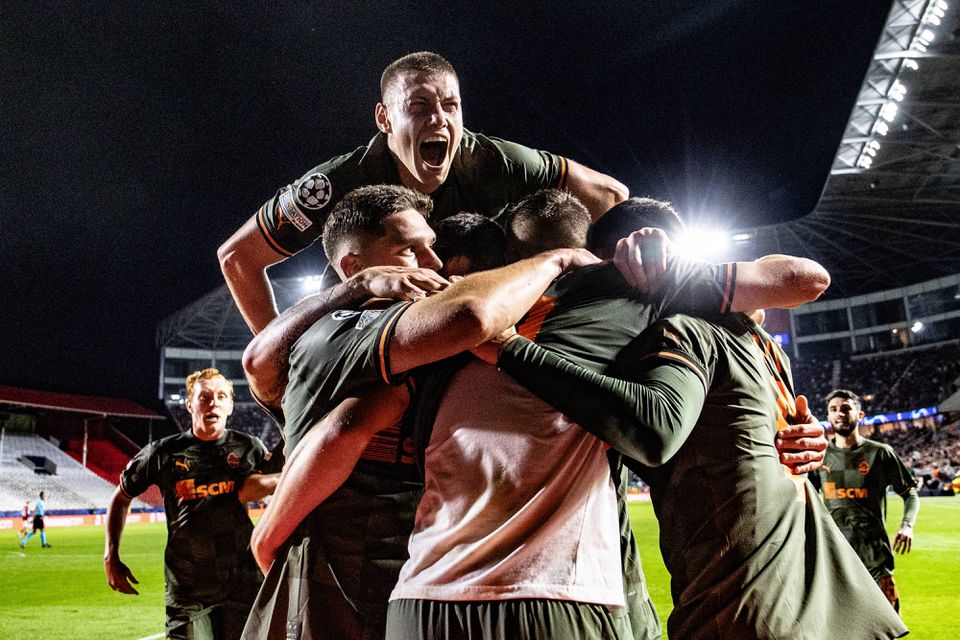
[[119, 576], [258, 486], [322, 461], [475, 309], [647, 419], [905, 485], [244, 259], [597, 191], [775, 281], [266, 358]]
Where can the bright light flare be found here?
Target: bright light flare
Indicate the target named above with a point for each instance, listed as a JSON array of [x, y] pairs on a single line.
[[311, 283], [917, 327], [702, 243]]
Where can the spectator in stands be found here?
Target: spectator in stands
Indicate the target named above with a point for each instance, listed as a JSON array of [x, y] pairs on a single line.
[[24, 521], [38, 511], [855, 475], [206, 476]]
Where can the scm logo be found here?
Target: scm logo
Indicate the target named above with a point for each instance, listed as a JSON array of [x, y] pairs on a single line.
[[831, 492], [188, 490]]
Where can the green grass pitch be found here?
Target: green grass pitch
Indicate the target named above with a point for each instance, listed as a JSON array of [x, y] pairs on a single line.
[[61, 592]]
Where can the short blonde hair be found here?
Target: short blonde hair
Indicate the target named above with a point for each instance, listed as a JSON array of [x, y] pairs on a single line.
[[205, 374]]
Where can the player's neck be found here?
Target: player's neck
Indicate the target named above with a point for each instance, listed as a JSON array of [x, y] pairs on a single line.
[[850, 441]]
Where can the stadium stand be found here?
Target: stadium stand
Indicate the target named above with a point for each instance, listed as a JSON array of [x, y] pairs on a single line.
[[887, 382], [72, 487]]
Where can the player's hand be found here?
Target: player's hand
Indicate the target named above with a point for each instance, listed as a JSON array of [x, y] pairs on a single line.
[[803, 444], [904, 539], [489, 351], [400, 283], [568, 259], [641, 258], [119, 576]]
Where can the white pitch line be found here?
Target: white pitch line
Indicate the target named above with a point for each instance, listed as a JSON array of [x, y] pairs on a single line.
[[155, 636]]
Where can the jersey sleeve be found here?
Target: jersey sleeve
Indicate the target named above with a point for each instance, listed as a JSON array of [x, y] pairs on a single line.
[[897, 473], [646, 417], [530, 169], [293, 218], [696, 288], [141, 472]]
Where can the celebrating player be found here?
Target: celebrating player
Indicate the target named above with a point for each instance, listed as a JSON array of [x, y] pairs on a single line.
[[854, 479], [421, 144], [206, 476]]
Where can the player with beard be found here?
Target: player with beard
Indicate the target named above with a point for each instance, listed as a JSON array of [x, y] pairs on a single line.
[[854, 479], [421, 144]]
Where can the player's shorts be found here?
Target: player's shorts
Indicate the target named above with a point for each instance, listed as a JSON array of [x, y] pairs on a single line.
[[38, 523], [332, 579], [889, 588], [194, 621], [530, 619]]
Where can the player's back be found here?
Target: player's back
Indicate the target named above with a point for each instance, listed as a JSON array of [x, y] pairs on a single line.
[[750, 548]]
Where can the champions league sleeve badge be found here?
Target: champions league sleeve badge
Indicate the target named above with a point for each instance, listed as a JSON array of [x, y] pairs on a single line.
[[314, 191]]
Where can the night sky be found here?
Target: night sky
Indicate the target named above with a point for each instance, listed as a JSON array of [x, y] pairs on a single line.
[[135, 139]]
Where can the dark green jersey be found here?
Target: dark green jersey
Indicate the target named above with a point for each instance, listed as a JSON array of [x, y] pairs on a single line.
[[334, 576], [854, 483], [751, 551], [486, 174], [208, 529]]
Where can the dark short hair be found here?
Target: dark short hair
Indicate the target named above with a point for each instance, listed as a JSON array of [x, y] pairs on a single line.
[[628, 216], [476, 237], [846, 394], [555, 219], [362, 211], [419, 62]]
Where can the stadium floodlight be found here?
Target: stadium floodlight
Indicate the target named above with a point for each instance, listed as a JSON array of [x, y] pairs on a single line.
[[702, 243], [881, 127], [911, 64], [175, 397], [741, 237], [870, 151], [919, 46], [312, 283], [889, 111], [927, 36], [864, 161], [917, 327], [942, 5], [897, 91]]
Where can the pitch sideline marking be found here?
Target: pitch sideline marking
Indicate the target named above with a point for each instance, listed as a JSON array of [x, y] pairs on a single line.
[[155, 636]]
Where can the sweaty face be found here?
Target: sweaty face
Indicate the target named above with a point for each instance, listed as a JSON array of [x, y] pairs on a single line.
[[424, 126], [209, 407], [406, 243], [843, 415]]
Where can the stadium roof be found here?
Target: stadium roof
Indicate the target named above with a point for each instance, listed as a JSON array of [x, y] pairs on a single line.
[[94, 405], [889, 214]]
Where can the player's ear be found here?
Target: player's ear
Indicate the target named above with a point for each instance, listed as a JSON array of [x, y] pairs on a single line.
[[350, 265], [383, 120]]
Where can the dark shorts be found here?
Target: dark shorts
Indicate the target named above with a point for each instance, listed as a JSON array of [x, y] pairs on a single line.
[[38, 523], [505, 620], [333, 577], [194, 621]]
